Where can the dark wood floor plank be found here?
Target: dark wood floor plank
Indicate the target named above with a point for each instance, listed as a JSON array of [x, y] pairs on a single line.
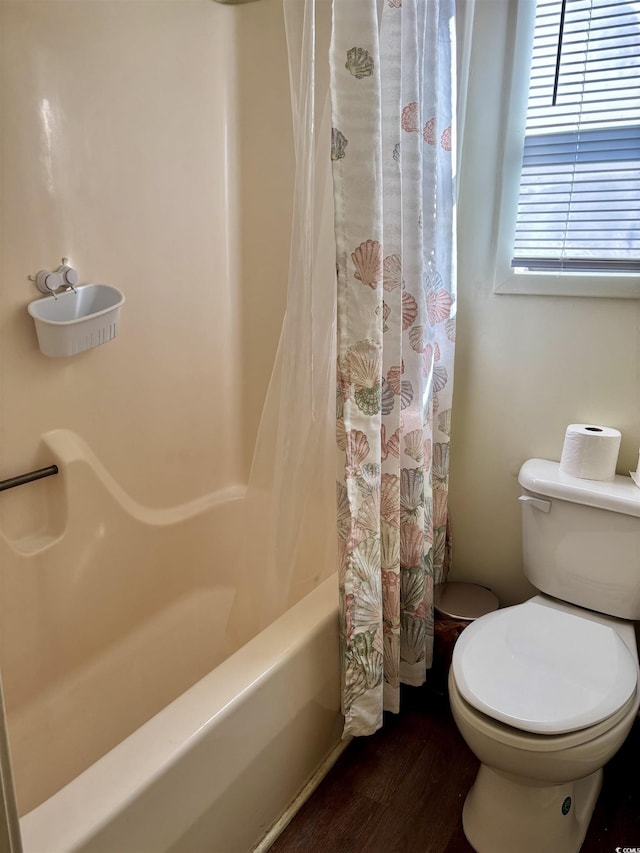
[[402, 791], [340, 821], [616, 819], [441, 767]]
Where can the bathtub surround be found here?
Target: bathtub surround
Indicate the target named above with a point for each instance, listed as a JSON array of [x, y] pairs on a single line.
[[63, 686], [145, 686], [119, 574], [393, 150]]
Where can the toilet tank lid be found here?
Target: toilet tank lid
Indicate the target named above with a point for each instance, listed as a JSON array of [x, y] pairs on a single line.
[[545, 478]]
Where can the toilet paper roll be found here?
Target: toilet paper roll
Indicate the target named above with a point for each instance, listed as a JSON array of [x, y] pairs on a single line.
[[590, 452]]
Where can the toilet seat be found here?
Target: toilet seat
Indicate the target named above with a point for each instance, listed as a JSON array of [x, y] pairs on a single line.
[[543, 670]]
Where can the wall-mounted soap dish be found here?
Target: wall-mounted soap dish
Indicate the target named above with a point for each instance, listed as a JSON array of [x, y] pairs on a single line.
[[76, 320]]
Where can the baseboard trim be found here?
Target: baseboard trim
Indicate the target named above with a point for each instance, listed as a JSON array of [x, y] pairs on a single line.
[[294, 807]]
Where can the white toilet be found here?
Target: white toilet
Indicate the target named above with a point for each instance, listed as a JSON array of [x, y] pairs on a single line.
[[545, 692]]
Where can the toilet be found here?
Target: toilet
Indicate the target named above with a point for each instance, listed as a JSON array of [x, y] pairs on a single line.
[[545, 692]]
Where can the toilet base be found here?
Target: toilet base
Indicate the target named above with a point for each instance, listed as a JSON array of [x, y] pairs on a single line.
[[502, 814]]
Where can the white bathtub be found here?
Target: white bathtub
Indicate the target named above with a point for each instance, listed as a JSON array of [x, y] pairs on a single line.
[[132, 729], [215, 768]]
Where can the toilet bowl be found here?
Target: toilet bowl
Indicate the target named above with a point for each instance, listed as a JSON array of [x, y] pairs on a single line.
[[538, 785]]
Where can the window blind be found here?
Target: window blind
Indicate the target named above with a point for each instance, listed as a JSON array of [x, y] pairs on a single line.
[[579, 202]]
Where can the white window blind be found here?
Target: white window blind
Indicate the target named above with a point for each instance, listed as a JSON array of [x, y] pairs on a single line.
[[579, 202]]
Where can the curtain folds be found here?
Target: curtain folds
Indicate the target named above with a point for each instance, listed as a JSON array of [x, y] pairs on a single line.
[[289, 506], [393, 156]]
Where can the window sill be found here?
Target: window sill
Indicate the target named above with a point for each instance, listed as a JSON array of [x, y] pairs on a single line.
[[618, 286]]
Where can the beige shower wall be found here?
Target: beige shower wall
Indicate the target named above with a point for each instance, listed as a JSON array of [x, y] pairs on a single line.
[[146, 142], [526, 366]]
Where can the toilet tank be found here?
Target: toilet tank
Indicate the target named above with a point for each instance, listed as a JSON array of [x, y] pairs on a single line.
[[581, 538]]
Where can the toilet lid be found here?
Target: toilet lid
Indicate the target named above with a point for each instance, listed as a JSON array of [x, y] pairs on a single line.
[[543, 670]]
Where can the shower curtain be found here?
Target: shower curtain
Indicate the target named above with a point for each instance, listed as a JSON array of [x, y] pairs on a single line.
[[393, 153], [289, 510]]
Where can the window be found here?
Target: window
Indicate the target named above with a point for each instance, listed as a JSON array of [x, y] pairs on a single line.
[[572, 225]]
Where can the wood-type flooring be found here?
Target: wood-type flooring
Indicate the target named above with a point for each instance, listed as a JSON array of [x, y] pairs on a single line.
[[402, 790]]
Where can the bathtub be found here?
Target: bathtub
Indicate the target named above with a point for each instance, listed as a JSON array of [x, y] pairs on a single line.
[[134, 726]]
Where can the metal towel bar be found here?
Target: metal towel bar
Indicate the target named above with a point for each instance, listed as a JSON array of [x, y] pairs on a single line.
[[21, 479]]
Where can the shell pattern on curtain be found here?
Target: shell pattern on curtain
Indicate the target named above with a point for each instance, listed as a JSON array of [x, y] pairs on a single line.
[[392, 152]]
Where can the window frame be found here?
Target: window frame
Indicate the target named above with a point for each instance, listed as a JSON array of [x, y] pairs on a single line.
[[506, 279]]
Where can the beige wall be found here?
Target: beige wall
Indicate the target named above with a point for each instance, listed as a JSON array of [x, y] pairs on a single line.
[[526, 366], [141, 139]]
